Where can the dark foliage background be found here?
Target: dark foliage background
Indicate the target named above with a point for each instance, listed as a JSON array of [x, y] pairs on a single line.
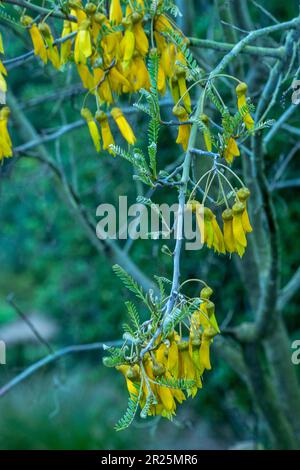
[[56, 275]]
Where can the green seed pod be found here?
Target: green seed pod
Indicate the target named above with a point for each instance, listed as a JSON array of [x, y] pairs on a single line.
[[227, 215], [136, 17], [206, 293], [238, 208], [90, 8], [158, 370], [99, 18], [132, 374], [243, 194], [183, 346], [210, 308]]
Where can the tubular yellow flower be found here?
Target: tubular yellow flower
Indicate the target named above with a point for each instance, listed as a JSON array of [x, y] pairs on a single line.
[[115, 12], [139, 76], [52, 51], [187, 369], [36, 38], [102, 85], [241, 92], [243, 195], [174, 88], [206, 132], [5, 141], [228, 231], [127, 45], [132, 377], [173, 357], [231, 150], [83, 43], [86, 76], [118, 80], [66, 46], [3, 85], [107, 138], [238, 229], [1, 45], [123, 125], [218, 242], [161, 79], [87, 115], [184, 94], [76, 9], [141, 40], [204, 350], [184, 130], [208, 227]]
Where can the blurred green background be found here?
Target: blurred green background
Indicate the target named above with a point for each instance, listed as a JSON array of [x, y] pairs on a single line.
[[60, 280]]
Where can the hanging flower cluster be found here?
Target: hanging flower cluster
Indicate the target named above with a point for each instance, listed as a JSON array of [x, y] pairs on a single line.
[[110, 52], [236, 224], [172, 368]]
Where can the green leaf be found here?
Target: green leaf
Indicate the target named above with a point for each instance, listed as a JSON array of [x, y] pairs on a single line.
[[132, 407]]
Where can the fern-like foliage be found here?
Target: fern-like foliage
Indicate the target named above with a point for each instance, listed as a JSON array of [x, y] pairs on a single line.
[[133, 404], [129, 282], [133, 315], [182, 384], [175, 317], [191, 63], [138, 160], [115, 358]]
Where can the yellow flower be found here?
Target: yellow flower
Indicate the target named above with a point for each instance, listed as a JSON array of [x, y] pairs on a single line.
[[36, 37], [52, 51], [87, 115], [231, 150], [161, 79], [206, 132], [83, 43], [66, 46], [115, 12], [204, 352], [183, 130], [187, 370], [5, 141], [107, 138], [123, 125], [241, 91], [174, 88], [127, 45], [228, 231], [3, 86], [132, 377], [102, 85], [243, 194], [238, 229], [1, 45], [76, 9], [208, 226], [139, 76], [86, 76], [118, 81], [141, 40]]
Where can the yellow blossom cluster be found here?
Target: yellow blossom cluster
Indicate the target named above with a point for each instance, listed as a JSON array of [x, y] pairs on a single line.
[[110, 53], [174, 360], [236, 224]]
